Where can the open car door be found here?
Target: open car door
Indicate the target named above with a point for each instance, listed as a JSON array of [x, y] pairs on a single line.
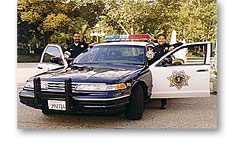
[[52, 58], [189, 78]]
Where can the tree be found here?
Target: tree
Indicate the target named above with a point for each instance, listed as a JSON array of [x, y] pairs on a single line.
[[49, 19], [54, 21], [198, 20], [195, 20]]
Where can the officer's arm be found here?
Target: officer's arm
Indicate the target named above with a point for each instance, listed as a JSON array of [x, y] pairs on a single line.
[[177, 44]]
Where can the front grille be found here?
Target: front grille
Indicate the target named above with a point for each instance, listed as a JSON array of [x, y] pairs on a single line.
[[59, 86]]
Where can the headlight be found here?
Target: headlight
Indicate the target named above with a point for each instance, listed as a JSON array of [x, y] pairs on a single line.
[[30, 84], [100, 87], [44, 85]]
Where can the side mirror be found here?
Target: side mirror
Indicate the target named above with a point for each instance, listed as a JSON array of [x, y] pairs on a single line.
[[56, 60], [150, 54]]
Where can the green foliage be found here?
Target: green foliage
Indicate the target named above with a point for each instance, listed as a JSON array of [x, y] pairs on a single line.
[[54, 21], [28, 58], [50, 21], [198, 20], [194, 20]]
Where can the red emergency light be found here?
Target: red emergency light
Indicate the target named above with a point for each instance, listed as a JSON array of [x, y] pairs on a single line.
[[139, 37]]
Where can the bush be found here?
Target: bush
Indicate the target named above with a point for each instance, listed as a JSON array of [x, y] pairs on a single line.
[[28, 58]]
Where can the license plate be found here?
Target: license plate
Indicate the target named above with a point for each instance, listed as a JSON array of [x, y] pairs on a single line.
[[57, 105]]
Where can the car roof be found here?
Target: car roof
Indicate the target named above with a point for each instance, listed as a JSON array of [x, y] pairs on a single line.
[[123, 43]]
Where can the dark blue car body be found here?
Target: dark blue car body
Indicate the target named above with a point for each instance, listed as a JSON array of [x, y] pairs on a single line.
[[62, 83]]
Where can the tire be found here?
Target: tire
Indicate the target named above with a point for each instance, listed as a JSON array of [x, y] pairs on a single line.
[[46, 112], [135, 107]]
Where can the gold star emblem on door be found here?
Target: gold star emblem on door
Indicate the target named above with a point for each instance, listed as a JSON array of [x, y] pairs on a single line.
[[178, 79]]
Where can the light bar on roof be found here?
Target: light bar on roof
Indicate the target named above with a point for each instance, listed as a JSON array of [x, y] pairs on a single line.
[[132, 37], [139, 37], [112, 37], [124, 37]]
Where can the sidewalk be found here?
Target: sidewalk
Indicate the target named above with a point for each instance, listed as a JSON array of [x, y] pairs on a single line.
[[27, 65]]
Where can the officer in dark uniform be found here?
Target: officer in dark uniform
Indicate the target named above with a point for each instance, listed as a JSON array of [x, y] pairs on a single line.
[[77, 47], [160, 50]]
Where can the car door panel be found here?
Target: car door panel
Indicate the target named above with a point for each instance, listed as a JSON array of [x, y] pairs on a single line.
[[49, 55], [195, 83], [181, 81]]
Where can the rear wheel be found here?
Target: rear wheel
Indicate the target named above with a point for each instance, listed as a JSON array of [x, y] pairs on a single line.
[[135, 107]]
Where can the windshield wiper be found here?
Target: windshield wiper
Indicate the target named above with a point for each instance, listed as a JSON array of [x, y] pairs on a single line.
[[78, 65]]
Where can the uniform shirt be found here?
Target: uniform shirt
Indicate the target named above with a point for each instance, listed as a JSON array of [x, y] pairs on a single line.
[[161, 50], [77, 49]]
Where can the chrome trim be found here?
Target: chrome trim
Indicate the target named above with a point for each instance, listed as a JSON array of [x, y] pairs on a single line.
[[94, 106], [59, 85], [27, 88], [27, 94], [104, 106], [97, 99]]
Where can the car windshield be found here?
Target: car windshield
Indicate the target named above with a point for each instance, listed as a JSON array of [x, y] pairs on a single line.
[[115, 54]]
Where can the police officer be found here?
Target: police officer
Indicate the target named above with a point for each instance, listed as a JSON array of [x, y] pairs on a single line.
[[77, 47], [160, 50]]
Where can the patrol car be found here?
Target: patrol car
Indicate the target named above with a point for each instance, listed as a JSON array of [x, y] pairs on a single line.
[[115, 76]]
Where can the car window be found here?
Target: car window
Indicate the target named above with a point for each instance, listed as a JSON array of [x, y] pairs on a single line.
[[113, 54], [51, 52], [194, 54], [86, 57]]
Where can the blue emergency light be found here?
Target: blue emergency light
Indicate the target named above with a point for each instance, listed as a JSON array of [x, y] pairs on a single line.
[[112, 37]]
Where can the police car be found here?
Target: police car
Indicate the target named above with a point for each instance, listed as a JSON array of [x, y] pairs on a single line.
[[115, 76]]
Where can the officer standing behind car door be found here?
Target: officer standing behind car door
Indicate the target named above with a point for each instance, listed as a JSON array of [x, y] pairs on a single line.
[[77, 47], [162, 48]]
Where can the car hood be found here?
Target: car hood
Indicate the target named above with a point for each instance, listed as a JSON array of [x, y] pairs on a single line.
[[88, 75]]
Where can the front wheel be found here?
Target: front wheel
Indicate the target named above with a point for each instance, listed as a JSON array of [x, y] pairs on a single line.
[[135, 107]]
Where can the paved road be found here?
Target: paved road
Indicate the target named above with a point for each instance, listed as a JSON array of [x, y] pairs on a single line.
[[181, 113]]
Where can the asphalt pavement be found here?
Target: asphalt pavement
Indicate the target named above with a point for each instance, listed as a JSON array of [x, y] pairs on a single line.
[[187, 113]]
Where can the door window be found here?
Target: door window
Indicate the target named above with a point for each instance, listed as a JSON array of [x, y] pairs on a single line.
[[52, 55], [189, 55]]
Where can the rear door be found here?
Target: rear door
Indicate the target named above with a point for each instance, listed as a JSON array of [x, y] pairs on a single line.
[[188, 77], [52, 58]]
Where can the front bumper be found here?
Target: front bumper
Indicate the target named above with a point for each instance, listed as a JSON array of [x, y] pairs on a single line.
[[76, 102]]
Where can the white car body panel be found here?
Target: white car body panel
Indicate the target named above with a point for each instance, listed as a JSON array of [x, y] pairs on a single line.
[[197, 77], [198, 82], [44, 67]]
